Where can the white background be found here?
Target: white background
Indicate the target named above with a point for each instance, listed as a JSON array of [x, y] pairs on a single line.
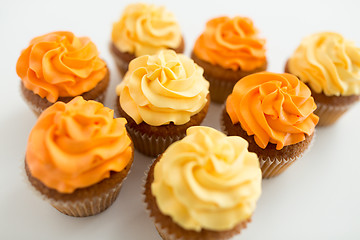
[[317, 198]]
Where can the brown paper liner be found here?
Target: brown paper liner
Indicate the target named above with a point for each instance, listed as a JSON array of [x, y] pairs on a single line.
[[169, 230], [219, 89], [152, 145], [272, 162], [84, 202], [329, 114]]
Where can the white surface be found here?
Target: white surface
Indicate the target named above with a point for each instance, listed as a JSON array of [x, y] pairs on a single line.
[[317, 198]]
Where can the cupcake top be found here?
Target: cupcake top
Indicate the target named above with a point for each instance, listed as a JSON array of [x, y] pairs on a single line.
[[207, 180], [275, 108], [146, 29], [76, 145], [163, 88], [59, 64], [231, 43], [328, 63]]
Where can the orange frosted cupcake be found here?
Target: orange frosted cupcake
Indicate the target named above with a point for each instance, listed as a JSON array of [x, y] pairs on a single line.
[[274, 113], [204, 186], [228, 50], [330, 65], [59, 66], [144, 29], [78, 156], [160, 97]]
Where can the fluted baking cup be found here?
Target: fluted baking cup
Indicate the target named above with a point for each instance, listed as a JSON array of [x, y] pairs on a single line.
[[152, 145], [329, 114]]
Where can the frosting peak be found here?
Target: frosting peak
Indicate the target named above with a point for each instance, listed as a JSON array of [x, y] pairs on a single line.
[[207, 180], [328, 63], [146, 29], [76, 145], [163, 88], [59, 64], [232, 43], [275, 108]]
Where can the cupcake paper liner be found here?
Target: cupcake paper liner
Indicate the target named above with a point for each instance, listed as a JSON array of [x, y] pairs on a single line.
[[121, 65], [151, 145], [219, 89], [272, 167], [329, 114], [81, 208], [88, 206]]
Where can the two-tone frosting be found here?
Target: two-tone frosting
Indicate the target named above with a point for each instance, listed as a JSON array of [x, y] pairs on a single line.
[[328, 63], [232, 43], [163, 88], [76, 145], [59, 64], [275, 108], [207, 181], [146, 29]]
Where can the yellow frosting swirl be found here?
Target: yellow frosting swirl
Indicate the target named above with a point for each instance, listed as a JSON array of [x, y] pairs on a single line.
[[207, 180], [76, 145], [146, 29], [328, 63], [163, 88]]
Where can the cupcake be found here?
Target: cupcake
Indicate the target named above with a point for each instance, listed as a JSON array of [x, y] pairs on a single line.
[[144, 29], [275, 114], [204, 186], [78, 156], [160, 97], [228, 50], [59, 66], [330, 65]]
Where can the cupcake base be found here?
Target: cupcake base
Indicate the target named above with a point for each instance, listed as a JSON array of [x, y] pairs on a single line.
[[169, 230], [330, 108], [122, 59], [38, 104], [153, 140], [83, 202], [272, 161], [222, 81]]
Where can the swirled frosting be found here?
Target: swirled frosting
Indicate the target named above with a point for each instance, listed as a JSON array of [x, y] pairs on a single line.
[[275, 108], [76, 145], [232, 43], [58, 64], [328, 63], [163, 88], [146, 29], [207, 180]]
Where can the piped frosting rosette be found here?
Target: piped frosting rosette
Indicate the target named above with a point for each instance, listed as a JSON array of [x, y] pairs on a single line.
[[275, 108], [146, 29], [59, 64], [232, 43], [163, 88]]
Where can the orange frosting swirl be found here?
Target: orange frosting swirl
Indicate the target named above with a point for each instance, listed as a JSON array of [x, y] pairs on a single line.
[[275, 108], [58, 64], [232, 43], [76, 145]]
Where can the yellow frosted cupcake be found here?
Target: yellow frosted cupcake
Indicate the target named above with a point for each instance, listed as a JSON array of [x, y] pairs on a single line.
[[160, 97], [78, 156], [204, 186], [330, 65], [144, 29]]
